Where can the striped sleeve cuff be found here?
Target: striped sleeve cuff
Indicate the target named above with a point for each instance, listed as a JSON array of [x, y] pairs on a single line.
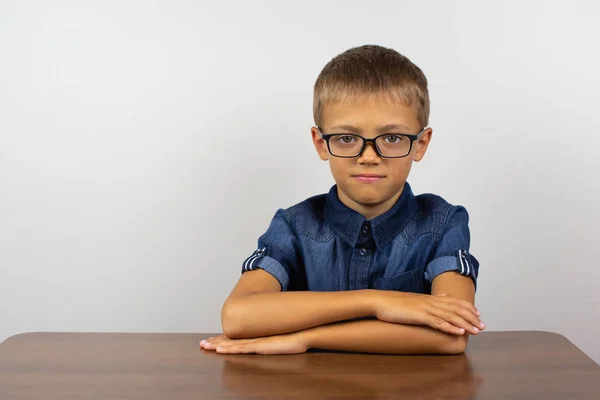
[[250, 262], [461, 263], [259, 260]]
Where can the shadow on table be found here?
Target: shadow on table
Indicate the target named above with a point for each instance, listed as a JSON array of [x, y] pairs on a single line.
[[318, 376]]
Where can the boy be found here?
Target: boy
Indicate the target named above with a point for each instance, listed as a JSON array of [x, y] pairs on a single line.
[[368, 267]]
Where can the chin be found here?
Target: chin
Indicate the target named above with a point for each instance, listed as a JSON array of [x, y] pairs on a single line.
[[367, 196]]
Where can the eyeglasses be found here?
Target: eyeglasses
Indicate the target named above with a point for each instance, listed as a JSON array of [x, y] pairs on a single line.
[[388, 145]]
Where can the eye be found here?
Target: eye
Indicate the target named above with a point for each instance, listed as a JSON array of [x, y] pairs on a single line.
[[393, 138], [346, 139]]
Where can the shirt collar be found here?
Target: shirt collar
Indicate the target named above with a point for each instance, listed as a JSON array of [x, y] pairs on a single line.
[[385, 227]]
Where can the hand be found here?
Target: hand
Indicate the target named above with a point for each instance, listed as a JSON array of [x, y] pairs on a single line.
[[445, 313], [290, 343]]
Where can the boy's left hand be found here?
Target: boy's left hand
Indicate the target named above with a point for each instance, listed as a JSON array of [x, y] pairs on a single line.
[[290, 343]]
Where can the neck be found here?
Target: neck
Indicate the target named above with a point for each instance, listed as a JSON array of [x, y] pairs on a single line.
[[369, 211]]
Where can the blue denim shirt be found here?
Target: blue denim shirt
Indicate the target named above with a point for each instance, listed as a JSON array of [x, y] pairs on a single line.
[[322, 245]]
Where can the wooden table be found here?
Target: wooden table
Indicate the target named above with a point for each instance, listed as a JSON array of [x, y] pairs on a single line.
[[497, 365]]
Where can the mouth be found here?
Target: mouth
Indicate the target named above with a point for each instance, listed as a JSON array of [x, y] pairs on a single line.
[[368, 178]]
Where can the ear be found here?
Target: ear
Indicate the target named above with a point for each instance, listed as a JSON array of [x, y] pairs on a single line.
[[420, 146], [320, 144]]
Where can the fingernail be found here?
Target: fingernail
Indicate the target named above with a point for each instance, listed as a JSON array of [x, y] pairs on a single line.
[[476, 330], [202, 342], [219, 348], [462, 330], [482, 325]]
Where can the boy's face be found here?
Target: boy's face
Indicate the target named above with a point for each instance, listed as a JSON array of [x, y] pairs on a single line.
[[367, 183]]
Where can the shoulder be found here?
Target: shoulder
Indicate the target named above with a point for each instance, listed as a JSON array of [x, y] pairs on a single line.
[[434, 205], [434, 215], [313, 207], [307, 218]]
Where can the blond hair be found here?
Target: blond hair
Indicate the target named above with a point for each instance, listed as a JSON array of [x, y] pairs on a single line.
[[371, 70]]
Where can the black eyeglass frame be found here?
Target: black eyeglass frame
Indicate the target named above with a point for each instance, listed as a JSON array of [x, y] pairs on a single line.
[[412, 139]]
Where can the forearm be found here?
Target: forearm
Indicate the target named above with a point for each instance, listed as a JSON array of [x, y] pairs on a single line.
[[374, 336], [265, 314]]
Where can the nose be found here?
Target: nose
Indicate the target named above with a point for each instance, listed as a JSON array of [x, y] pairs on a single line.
[[369, 155]]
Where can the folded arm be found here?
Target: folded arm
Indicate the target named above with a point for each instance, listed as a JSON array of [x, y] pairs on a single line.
[[374, 336], [256, 307]]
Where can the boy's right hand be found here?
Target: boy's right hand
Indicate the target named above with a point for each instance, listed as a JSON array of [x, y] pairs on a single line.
[[445, 313]]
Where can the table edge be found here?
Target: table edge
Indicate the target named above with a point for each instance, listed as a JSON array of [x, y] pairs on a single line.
[[19, 336]]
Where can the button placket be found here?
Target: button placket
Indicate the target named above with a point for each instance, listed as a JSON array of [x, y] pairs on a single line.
[[365, 228], [362, 268]]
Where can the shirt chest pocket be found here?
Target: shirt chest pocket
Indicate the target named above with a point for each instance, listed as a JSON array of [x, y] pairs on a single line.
[[410, 281]]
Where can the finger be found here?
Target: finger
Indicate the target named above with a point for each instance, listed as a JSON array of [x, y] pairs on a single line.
[[208, 346], [216, 342], [459, 302], [236, 349], [444, 326], [231, 342], [466, 315], [212, 339], [203, 341], [466, 305], [459, 317], [470, 306], [470, 318], [457, 321]]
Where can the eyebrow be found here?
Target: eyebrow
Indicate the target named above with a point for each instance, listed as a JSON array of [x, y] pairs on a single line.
[[389, 127]]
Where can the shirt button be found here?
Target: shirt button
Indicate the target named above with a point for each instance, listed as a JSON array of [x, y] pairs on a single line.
[[365, 229], [362, 252]]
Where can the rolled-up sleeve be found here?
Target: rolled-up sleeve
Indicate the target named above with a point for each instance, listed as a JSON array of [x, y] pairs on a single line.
[[277, 251], [452, 252]]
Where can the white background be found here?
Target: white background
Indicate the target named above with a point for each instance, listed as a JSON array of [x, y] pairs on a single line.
[[144, 147]]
